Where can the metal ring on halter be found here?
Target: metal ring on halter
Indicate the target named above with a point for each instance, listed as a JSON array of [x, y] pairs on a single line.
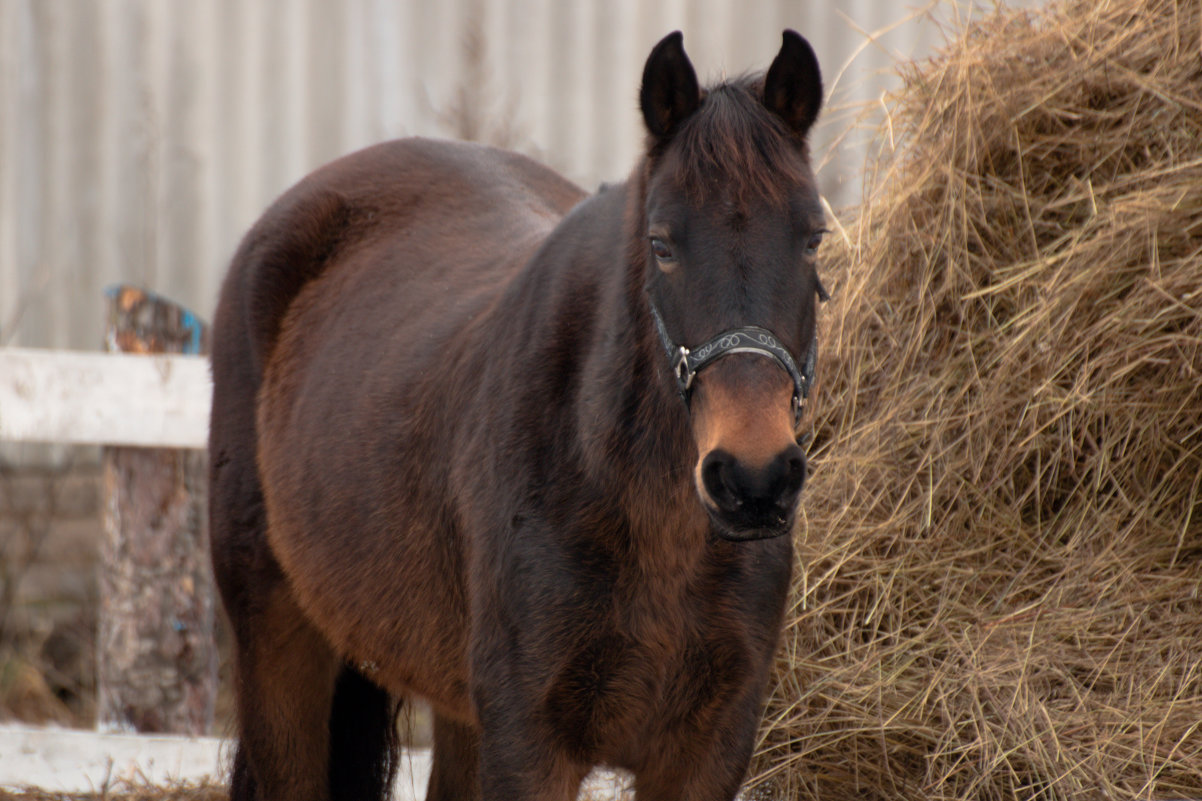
[[680, 366]]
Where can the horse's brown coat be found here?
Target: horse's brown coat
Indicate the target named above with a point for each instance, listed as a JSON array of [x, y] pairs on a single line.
[[449, 458]]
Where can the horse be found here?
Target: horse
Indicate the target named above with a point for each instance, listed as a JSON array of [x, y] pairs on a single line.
[[529, 454]]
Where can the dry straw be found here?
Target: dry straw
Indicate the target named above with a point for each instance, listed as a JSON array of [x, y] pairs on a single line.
[[135, 790], [998, 590]]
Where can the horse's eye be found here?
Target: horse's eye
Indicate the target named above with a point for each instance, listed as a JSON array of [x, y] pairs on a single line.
[[813, 242], [661, 249]]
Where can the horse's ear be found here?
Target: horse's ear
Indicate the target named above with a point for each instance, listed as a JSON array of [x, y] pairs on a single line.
[[793, 86], [670, 92]]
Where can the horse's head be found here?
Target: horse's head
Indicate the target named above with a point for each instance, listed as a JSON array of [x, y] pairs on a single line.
[[733, 223]]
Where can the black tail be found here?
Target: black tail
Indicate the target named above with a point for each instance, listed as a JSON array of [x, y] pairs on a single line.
[[364, 749]]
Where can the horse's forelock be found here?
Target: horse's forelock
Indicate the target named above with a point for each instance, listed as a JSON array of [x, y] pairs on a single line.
[[734, 145]]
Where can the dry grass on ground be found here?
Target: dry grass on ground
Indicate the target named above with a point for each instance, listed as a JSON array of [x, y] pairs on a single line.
[[999, 591], [122, 791]]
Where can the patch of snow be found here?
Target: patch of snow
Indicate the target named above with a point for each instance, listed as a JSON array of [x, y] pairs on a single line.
[[74, 761]]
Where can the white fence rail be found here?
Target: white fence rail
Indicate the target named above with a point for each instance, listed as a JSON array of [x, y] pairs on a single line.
[[79, 398]]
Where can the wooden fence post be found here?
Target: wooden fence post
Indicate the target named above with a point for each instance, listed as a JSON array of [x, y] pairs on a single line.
[[156, 651]]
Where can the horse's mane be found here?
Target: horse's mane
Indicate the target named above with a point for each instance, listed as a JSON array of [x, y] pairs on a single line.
[[733, 142]]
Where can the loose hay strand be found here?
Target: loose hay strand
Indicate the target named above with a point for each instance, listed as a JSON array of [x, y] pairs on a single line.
[[998, 586]]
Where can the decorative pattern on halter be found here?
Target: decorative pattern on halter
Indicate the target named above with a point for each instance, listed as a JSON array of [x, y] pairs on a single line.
[[687, 363]]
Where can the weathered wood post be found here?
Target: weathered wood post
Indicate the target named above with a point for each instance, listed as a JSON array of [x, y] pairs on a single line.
[[156, 653]]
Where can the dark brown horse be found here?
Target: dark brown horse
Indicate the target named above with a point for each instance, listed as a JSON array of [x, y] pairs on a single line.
[[460, 452]]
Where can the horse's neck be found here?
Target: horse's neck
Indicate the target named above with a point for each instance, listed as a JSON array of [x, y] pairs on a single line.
[[635, 431], [629, 427]]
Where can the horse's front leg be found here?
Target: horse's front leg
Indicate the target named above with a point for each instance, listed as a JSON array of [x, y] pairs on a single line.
[[705, 758], [454, 776], [518, 626], [519, 756]]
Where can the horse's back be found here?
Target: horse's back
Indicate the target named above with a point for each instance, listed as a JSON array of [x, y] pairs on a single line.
[[407, 196]]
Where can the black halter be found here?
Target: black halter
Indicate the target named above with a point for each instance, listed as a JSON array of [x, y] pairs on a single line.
[[749, 339]]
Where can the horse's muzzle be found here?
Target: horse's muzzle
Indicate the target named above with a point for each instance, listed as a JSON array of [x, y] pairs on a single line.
[[751, 503]]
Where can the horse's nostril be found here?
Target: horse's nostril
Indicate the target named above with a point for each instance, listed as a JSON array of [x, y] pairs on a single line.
[[794, 473], [716, 475]]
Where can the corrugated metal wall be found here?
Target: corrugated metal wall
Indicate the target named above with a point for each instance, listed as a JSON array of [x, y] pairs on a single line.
[[140, 138]]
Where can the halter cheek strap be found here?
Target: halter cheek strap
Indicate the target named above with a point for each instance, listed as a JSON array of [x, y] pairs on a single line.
[[687, 363]]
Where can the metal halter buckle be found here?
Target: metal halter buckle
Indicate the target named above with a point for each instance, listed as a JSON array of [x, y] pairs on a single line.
[[680, 366]]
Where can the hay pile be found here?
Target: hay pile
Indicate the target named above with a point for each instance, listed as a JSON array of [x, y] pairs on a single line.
[[999, 593]]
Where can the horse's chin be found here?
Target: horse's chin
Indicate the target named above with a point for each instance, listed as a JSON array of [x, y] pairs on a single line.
[[747, 531]]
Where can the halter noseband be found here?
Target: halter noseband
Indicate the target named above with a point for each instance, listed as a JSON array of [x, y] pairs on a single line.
[[687, 363]]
